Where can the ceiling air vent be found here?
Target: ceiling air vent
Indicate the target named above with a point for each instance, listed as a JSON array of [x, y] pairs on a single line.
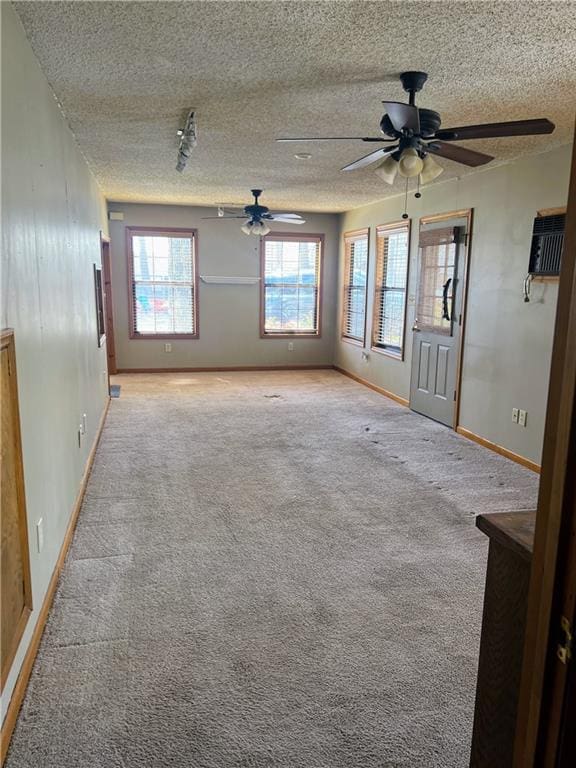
[[547, 243]]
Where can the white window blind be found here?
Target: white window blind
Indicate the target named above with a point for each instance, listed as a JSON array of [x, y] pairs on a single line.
[[163, 284], [291, 268], [355, 281], [392, 245]]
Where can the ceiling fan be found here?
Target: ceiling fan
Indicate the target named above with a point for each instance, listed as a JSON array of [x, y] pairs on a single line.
[[259, 216], [416, 134]]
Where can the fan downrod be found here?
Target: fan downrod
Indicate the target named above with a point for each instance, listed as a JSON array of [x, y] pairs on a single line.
[[412, 82]]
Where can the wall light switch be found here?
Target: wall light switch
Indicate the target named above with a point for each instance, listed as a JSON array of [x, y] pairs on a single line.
[[40, 535], [290, 346], [167, 347], [522, 416], [515, 415]]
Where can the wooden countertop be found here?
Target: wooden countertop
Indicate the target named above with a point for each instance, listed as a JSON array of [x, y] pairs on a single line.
[[514, 530]]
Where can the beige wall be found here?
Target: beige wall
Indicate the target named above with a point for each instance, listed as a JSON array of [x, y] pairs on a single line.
[[52, 212], [229, 314], [508, 343]]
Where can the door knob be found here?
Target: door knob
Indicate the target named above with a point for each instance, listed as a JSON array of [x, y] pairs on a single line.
[[415, 327]]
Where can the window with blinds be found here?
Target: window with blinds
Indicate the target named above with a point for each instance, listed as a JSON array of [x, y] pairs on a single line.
[[355, 282], [163, 283], [291, 285], [392, 255]]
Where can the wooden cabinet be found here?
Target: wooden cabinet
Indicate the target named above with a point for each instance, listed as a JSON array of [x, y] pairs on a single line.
[[16, 593], [511, 537]]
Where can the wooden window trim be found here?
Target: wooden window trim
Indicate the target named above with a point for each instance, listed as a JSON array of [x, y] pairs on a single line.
[[355, 234], [282, 237], [130, 232], [392, 228]]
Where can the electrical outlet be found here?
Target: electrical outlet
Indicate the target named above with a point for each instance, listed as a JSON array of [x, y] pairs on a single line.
[[515, 415], [522, 416], [167, 347], [40, 535], [290, 346]]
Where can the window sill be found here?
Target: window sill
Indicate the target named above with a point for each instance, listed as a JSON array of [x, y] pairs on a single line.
[[164, 336], [290, 336], [388, 353], [355, 342]]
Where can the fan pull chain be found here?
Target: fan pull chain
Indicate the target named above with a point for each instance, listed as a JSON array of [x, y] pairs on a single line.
[[418, 194], [405, 214]]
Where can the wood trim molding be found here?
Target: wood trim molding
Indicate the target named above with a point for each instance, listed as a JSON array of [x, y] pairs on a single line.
[[223, 368], [552, 211], [8, 343], [499, 449], [28, 663], [375, 387]]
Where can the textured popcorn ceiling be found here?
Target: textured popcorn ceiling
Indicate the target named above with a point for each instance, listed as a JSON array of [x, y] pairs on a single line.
[[127, 72]]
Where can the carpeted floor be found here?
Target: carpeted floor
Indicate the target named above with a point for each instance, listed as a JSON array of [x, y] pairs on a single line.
[[270, 569]]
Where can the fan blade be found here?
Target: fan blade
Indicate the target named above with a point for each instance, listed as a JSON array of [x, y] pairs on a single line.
[[286, 219], [285, 215], [403, 116], [339, 138], [496, 130], [458, 154], [373, 157]]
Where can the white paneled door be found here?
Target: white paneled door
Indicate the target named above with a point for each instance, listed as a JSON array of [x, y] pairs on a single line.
[[438, 324]]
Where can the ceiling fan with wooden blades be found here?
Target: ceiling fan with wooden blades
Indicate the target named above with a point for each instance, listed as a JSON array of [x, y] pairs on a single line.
[[415, 134], [258, 217]]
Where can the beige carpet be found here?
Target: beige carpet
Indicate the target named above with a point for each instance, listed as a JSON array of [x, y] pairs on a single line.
[[269, 570]]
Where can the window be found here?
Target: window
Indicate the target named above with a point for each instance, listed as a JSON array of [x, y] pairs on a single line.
[[438, 255], [355, 280], [290, 285], [392, 254], [162, 266]]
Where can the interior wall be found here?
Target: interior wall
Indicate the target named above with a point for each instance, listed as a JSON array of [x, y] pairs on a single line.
[[229, 314], [508, 343], [52, 213]]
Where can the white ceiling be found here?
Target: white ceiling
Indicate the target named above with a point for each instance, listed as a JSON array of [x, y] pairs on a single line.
[[127, 72]]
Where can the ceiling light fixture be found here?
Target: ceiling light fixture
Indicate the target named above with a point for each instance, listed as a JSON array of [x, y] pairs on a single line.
[[430, 171], [188, 140], [410, 163], [388, 170], [302, 155]]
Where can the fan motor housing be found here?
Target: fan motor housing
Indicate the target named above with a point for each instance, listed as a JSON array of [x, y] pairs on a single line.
[[429, 123]]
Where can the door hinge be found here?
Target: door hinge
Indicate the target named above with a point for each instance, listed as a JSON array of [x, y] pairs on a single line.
[[564, 649], [454, 395]]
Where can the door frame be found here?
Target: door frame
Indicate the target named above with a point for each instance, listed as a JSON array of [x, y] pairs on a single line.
[[463, 259], [108, 311], [543, 708], [8, 342]]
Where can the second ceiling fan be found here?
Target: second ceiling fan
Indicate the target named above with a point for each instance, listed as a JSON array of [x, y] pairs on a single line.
[[416, 134], [258, 216]]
